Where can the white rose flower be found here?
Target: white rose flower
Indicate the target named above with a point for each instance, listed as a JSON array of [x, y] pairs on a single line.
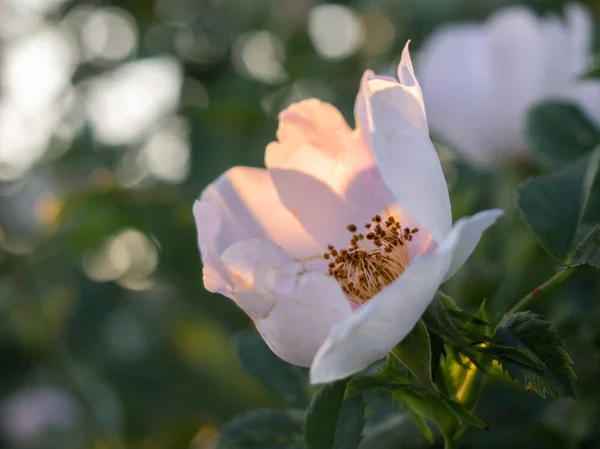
[[338, 247]]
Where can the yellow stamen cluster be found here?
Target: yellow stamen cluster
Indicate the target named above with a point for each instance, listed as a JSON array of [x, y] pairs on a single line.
[[372, 261]]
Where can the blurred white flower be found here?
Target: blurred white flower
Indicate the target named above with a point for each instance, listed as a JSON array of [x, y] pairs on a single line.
[[479, 81], [27, 414]]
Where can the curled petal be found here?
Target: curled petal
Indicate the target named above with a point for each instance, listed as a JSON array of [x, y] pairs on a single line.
[[292, 308], [371, 331], [406, 159]]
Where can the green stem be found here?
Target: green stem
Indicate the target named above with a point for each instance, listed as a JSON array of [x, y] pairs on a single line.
[[450, 443], [543, 288]]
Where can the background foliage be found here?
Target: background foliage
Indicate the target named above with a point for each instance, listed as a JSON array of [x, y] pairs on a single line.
[[107, 337]]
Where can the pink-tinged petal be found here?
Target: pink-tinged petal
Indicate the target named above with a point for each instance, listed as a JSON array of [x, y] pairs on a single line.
[[316, 124], [469, 231], [371, 331], [323, 172], [293, 309], [406, 159], [250, 207], [323, 213], [208, 218]]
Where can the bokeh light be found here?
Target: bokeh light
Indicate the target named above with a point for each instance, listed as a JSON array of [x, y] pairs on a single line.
[[260, 55], [335, 31], [108, 34], [129, 256], [124, 104], [31, 415]]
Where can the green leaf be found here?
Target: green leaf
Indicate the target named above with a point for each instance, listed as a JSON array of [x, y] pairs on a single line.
[[440, 322], [464, 377], [465, 415], [512, 354], [288, 381], [422, 425], [588, 251], [414, 352], [553, 205], [420, 401], [395, 432], [264, 429], [558, 133], [333, 422], [351, 422], [467, 317], [530, 334], [360, 385], [322, 415]]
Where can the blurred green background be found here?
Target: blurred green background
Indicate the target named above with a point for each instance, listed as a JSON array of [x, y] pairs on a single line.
[[114, 115]]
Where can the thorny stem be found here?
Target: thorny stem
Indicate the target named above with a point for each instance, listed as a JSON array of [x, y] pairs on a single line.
[[543, 288]]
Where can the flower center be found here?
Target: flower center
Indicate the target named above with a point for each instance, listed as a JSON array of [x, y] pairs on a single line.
[[372, 261]]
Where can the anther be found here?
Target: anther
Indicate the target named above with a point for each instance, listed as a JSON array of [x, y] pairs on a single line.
[[371, 261]]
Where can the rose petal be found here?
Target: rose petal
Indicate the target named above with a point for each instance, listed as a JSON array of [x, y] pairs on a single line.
[[250, 207], [371, 331], [208, 218], [323, 172], [469, 231], [292, 308], [406, 159]]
